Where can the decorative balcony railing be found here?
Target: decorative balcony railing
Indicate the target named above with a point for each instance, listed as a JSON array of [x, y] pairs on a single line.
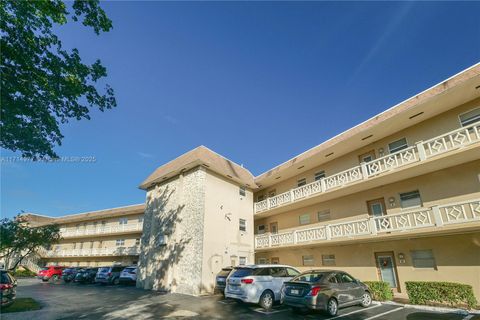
[[114, 251], [436, 216], [102, 230], [421, 151]]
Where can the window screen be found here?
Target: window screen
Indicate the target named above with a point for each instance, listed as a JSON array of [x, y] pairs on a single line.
[[328, 259], [304, 218], [410, 199], [423, 259], [470, 117], [308, 260]]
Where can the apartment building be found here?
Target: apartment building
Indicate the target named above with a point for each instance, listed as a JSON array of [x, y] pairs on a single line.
[[396, 198], [95, 238]]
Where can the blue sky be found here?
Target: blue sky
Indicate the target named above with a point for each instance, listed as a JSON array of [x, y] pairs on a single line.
[[257, 82]]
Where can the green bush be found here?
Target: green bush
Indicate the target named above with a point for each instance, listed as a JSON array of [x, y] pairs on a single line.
[[23, 273], [380, 290], [425, 292]]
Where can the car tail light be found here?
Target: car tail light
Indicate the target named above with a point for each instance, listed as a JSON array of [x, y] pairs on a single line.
[[5, 286], [247, 281], [109, 274], [314, 291]]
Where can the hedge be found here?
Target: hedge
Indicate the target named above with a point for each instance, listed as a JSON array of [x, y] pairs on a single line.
[[23, 273], [380, 290], [424, 292]]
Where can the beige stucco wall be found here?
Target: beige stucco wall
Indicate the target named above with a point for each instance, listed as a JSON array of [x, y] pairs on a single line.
[[425, 130], [441, 187], [92, 261], [133, 219], [223, 242], [457, 258]]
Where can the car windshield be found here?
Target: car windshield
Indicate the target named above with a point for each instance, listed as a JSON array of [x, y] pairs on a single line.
[[224, 272], [129, 269], [310, 277]]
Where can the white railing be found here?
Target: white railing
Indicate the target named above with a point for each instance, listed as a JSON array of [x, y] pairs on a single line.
[[101, 230], [421, 151], [114, 251], [452, 140], [436, 216]]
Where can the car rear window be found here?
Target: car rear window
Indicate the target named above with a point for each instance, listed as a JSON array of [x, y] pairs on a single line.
[[45, 268], [4, 278], [129, 269], [224, 272], [310, 277], [104, 269], [245, 272]]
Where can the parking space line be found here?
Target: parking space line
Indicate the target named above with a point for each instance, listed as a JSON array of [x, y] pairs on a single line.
[[356, 311], [261, 310], [384, 313], [227, 301], [468, 317]]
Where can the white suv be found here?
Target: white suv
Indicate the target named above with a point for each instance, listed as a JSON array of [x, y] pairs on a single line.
[[260, 284]]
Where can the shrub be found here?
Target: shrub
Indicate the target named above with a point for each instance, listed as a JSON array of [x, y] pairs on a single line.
[[380, 290], [23, 273], [424, 292]]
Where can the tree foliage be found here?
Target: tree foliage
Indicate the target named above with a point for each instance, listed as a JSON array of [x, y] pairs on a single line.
[[43, 84], [18, 239]]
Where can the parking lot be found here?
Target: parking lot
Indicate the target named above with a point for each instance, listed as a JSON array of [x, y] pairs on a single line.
[[76, 301]]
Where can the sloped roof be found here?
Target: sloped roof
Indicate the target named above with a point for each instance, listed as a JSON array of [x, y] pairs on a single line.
[[201, 156]]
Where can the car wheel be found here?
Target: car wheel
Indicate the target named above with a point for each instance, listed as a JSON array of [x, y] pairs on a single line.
[[366, 299], [54, 277], [45, 280], [266, 300], [116, 281], [332, 307]]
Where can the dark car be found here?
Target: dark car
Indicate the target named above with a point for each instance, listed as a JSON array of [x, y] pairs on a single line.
[[69, 274], [221, 280], [86, 275], [8, 289], [109, 275], [326, 290]]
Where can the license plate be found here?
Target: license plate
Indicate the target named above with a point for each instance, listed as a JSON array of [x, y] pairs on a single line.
[[234, 287], [295, 291]]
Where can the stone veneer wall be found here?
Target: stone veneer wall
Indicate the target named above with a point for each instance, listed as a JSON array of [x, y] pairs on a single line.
[[174, 213]]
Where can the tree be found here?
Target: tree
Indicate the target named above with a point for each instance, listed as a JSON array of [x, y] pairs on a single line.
[[18, 239], [42, 84]]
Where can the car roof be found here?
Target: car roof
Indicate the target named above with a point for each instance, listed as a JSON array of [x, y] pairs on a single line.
[[325, 271], [253, 266]]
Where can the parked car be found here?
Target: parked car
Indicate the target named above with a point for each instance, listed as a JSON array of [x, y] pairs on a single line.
[[326, 290], [221, 280], [128, 275], [69, 274], [86, 275], [8, 289], [260, 284], [51, 272], [109, 275]]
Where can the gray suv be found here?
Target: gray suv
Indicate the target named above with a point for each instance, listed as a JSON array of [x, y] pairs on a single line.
[[109, 275], [260, 284], [325, 290]]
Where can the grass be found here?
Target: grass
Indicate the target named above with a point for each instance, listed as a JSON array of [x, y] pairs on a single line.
[[22, 304]]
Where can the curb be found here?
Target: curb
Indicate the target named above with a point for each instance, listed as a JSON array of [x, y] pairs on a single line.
[[430, 308]]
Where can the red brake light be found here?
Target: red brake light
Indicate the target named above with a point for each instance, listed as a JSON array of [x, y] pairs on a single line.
[[314, 291], [5, 286], [247, 281]]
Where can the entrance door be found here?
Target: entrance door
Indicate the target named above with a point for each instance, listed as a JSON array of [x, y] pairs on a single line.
[[387, 270], [367, 156], [376, 208], [274, 227]]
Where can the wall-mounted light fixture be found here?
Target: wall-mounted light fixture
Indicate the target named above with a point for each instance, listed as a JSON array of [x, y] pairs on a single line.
[[391, 201]]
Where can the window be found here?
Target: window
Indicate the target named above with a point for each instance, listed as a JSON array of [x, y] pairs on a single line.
[[137, 241], [423, 259], [410, 199], [397, 145], [260, 198], [308, 260], [120, 242], [301, 182], [319, 175], [275, 260], [261, 229], [242, 191], [328, 259], [272, 193], [292, 272], [140, 219], [123, 221], [323, 215], [304, 218], [242, 224], [262, 260], [346, 278], [242, 261], [470, 117]]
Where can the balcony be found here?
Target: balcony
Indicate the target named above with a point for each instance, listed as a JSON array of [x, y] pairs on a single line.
[[114, 251], [101, 230], [422, 151], [436, 217]]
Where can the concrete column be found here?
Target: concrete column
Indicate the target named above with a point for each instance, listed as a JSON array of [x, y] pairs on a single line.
[[421, 151]]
